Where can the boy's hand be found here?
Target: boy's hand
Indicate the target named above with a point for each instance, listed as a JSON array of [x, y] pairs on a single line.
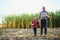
[[32, 24]]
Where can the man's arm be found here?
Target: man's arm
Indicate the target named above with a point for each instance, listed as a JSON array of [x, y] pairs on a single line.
[[39, 15], [47, 15], [39, 18]]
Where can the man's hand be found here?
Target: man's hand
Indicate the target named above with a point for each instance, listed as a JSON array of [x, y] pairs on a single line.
[[47, 16], [38, 20]]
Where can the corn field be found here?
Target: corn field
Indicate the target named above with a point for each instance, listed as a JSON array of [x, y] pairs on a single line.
[[24, 20]]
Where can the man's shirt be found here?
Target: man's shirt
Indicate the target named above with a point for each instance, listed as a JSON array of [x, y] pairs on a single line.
[[43, 15]]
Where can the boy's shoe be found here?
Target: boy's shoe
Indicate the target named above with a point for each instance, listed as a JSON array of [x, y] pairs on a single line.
[[42, 35], [34, 37], [46, 35]]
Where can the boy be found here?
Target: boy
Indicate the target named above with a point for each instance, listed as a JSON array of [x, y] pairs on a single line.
[[34, 25]]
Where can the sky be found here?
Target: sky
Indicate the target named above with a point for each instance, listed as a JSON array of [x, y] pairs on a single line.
[[11, 7]]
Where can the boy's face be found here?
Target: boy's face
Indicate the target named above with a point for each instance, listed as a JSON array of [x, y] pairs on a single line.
[[34, 17]]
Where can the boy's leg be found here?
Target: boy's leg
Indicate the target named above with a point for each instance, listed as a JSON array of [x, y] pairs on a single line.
[[35, 31]]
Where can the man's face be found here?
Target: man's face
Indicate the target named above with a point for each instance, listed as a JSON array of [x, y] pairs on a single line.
[[43, 8]]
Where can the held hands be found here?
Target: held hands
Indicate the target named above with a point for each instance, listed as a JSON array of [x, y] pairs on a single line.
[[38, 20]]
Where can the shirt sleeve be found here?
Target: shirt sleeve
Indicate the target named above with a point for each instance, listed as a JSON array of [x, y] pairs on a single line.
[[46, 12]]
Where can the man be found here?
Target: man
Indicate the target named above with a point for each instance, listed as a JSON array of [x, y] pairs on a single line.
[[44, 17]]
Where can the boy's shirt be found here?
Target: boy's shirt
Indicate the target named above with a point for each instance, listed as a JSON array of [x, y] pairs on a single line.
[[34, 22]]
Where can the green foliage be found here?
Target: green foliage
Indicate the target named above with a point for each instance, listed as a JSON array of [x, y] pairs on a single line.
[[54, 21]]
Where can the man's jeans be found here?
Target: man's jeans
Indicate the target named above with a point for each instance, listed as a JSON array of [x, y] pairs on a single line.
[[44, 26]]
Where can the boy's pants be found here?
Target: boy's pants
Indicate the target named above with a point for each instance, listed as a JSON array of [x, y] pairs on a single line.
[[44, 25], [35, 31]]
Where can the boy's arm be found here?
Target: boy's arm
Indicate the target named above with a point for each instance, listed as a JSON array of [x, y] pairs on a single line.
[[32, 23]]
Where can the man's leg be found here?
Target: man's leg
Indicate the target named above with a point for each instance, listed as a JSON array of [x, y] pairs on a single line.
[[41, 30], [41, 27], [45, 27], [45, 31]]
